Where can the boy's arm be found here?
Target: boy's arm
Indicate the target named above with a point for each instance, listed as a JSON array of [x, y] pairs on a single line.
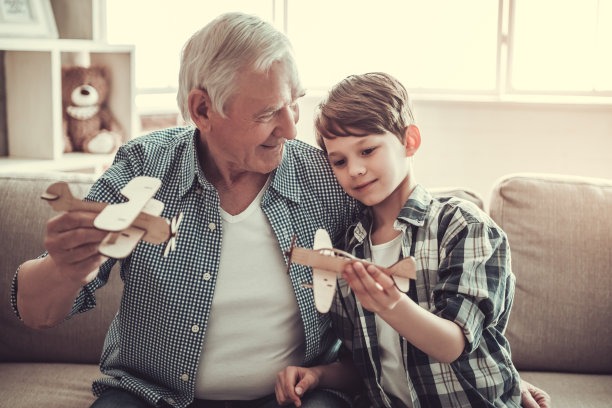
[[293, 382], [439, 338]]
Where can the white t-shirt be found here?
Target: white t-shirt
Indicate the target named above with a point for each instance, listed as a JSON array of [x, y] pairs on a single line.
[[394, 377], [254, 330]]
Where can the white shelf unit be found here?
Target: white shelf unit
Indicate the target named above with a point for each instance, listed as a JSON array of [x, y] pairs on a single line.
[[34, 100]]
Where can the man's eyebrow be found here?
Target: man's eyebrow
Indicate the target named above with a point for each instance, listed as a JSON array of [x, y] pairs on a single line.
[[271, 109]]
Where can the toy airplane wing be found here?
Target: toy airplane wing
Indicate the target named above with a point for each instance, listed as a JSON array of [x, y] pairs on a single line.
[[332, 261], [118, 217], [127, 223], [323, 280]]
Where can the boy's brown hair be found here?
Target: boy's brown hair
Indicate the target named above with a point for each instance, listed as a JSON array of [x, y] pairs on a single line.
[[371, 103]]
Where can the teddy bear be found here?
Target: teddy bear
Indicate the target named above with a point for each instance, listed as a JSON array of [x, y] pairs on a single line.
[[88, 124]]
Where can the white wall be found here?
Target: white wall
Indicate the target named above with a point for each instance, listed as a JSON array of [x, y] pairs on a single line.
[[472, 144]]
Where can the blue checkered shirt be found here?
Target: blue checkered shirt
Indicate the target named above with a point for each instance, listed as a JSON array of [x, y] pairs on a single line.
[[463, 275], [150, 348]]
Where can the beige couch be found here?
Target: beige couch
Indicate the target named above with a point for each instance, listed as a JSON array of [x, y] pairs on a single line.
[[560, 232]]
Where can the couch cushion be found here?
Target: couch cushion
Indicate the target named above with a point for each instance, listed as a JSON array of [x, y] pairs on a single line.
[[459, 192], [560, 234], [22, 222], [27, 385], [568, 390]]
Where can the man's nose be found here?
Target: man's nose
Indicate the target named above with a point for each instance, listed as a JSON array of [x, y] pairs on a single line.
[[286, 127]]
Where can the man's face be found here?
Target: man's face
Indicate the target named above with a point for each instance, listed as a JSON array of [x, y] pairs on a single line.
[[261, 116]]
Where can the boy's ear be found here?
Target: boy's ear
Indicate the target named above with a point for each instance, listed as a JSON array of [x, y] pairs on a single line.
[[412, 140], [200, 108]]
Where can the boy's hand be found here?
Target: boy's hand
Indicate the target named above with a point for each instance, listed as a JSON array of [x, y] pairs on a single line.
[[293, 382], [375, 290]]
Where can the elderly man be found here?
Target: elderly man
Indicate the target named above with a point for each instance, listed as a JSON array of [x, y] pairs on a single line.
[[212, 324]]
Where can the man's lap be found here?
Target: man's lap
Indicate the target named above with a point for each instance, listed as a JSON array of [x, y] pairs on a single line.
[[314, 399]]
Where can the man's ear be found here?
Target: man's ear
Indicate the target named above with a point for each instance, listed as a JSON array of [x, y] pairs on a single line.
[[412, 140], [200, 108]]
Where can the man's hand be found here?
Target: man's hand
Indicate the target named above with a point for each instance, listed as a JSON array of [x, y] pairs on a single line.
[[72, 243], [533, 397], [293, 382]]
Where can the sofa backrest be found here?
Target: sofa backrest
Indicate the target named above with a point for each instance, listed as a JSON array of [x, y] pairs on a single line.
[[560, 234], [23, 215]]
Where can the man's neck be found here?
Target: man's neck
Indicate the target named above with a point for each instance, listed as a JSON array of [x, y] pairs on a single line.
[[237, 194], [236, 188]]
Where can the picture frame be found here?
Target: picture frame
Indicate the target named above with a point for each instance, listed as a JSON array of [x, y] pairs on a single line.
[[27, 19]]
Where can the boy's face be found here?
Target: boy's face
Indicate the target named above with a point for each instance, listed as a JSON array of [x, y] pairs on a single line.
[[370, 168]]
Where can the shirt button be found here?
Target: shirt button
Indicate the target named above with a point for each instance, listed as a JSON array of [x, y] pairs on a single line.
[[212, 226], [198, 190], [171, 400], [185, 377], [195, 328], [206, 276]]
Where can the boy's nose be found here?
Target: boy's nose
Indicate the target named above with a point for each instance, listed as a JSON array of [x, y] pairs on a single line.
[[357, 169]]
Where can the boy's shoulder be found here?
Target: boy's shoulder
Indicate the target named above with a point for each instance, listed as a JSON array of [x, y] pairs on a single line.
[[426, 207]]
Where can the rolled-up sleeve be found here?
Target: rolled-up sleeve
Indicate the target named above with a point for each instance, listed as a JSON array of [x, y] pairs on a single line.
[[474, 263]]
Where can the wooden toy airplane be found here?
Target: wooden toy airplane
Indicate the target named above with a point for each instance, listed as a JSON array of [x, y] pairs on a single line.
[[327, 263], [127, 223]]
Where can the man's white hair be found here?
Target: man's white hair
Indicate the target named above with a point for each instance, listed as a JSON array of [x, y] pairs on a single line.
[[212, 57]]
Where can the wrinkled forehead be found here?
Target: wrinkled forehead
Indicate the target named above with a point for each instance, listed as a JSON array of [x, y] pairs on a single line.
[[286, 68]]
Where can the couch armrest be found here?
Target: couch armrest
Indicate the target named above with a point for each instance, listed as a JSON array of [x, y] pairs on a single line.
[[22, 222], [560, 234]]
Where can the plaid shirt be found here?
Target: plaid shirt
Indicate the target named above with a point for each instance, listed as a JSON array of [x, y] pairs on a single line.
[[463, 275], [151, 348]]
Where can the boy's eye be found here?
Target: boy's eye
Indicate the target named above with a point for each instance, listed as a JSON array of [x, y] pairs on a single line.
[[367, 152], [338, 163]]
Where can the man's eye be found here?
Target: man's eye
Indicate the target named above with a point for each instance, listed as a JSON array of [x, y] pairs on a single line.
[[265, 118]]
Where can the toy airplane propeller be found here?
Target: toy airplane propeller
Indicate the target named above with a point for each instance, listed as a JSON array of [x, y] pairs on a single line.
[[127, 223], [327, 263]]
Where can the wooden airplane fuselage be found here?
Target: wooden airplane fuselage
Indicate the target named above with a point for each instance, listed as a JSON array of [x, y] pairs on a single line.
[[328, 263]]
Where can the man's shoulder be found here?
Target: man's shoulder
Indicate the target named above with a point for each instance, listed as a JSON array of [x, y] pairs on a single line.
[[303, 161], [161, 139], [166, 154], [303, 152]]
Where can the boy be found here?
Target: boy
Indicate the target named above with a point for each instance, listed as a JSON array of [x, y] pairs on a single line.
[[442, 343]]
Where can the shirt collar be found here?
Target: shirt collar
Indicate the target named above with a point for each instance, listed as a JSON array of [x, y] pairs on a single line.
[[284, 178], [189, 163], [413, 212]]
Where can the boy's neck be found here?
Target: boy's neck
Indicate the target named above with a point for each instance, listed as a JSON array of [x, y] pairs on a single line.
[[385, 213]]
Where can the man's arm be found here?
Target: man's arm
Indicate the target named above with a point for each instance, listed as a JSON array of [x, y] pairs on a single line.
[[47, 287]]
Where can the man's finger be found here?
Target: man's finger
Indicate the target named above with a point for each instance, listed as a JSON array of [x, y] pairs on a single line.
[[527, 400]]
